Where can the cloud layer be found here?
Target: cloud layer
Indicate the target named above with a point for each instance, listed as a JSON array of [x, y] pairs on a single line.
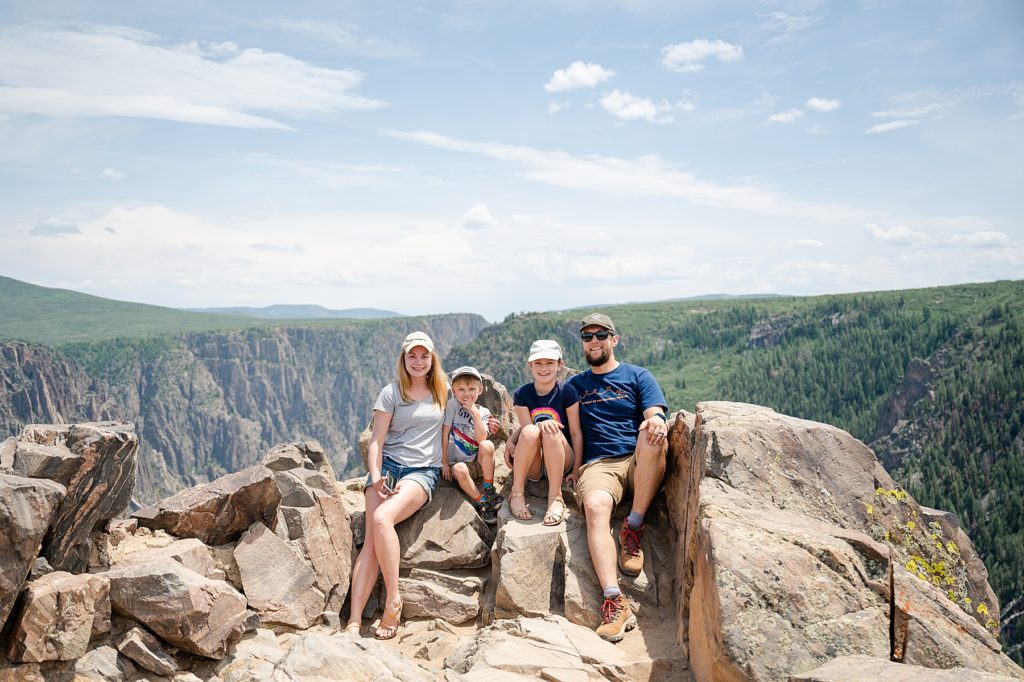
[[117, 71]]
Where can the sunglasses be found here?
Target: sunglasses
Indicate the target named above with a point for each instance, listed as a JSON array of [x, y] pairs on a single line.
[[601, 335]]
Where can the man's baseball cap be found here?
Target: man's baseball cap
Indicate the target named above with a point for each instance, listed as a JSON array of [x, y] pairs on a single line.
[[545, 349], [417, 339], [467, 371], [598, 320]]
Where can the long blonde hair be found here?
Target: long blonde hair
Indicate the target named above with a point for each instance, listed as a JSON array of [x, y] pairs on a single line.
[[436, 380]]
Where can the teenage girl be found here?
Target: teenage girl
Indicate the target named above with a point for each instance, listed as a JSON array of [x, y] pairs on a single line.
[[405, 442], [546, 409]]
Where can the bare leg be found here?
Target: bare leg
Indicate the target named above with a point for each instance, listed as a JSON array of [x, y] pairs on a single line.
[[598, 506], [366, 568], [409, 497], [554, 463], [486, 458], [461, 473], [650, 468]]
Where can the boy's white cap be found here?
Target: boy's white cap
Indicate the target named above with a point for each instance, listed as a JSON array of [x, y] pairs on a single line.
[[417, 339], [545, 349], [466, 371]]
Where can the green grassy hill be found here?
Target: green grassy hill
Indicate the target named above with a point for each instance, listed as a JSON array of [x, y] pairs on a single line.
[[838, 360], [52, 316]]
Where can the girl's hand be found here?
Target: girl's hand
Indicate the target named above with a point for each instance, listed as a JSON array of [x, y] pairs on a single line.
[[550, 427], [378, 485], [510, 451], [446, 471], [571, 479]]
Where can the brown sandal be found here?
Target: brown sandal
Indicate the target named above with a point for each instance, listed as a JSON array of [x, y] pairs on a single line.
[[523, 511], [552, 518], [389, 622]]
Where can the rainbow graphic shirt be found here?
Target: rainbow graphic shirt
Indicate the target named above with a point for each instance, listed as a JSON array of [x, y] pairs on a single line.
[[549, 406], [462, 446]]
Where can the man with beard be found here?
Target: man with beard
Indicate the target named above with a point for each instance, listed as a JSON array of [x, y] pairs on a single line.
[[624, 422]]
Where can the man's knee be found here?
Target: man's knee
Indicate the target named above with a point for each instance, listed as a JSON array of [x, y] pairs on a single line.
[[598, 505], [648, 452]]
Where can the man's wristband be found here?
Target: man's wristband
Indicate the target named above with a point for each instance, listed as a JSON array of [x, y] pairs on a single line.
[[662, 415]]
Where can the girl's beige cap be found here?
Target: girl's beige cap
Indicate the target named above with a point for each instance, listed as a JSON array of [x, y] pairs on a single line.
[[417, 339], [545, 349]]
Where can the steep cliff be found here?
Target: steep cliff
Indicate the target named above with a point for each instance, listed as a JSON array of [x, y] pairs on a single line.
[[208, 403]]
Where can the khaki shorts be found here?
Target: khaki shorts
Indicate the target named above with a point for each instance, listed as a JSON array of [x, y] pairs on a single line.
[[474, 468], [613, 475]]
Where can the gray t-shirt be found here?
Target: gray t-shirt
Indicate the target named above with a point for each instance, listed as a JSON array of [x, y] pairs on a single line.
[[414, 436], [462, 446]]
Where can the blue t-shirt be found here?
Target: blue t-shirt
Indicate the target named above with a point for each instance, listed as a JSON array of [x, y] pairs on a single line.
[[612, 408], [550, 406]]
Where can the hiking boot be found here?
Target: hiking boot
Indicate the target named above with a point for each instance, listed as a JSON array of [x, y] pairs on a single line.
[[492, 497], [616, 619], [631, 557], [486, 511]]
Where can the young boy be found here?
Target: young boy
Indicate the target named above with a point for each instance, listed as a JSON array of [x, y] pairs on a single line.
[[466, 452]]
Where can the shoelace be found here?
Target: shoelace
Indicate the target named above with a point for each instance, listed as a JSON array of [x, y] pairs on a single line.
[[631, 541], [609, 611]]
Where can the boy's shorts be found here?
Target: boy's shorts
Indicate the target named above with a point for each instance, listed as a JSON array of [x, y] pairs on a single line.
[[426, 477], [475, 471], [613, 475]]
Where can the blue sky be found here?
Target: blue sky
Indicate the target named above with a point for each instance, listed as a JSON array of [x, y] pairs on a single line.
[[493, 157]]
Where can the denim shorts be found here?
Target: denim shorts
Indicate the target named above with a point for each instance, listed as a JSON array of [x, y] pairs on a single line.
[[427, 477]]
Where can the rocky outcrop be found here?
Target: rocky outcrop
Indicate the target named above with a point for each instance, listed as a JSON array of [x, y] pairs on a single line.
[[217, 512], [792, 545], [26, 508], [60, 613], [777, 547], [96, 465], [183, 608]]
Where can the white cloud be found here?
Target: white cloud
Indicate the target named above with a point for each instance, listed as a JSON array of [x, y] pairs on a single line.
[[916, 112], [688, 57], [819, 104], [648, 175], [117, 71], [578, 75], [113, 174], [896, 235], [351, 39], [817, 129], [329, 174], [295, 249], [981, 238], [555, 107], [478, 218], [630, 107], [807, 243], [786, 116], [891, 125], [53, 227]]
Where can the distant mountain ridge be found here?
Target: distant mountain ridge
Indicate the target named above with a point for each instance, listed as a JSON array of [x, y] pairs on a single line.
[[299, 312]]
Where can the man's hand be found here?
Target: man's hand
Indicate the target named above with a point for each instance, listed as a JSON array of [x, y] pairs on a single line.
[[657, 430]]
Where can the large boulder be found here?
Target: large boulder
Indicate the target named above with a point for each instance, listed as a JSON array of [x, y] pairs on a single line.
[[321, 534], [95, 462], [552, 648], [183, 608], [447, 533], [451, 596], [279, 585], [58, 615], [220, 511], [26, 508], [787, 533]]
